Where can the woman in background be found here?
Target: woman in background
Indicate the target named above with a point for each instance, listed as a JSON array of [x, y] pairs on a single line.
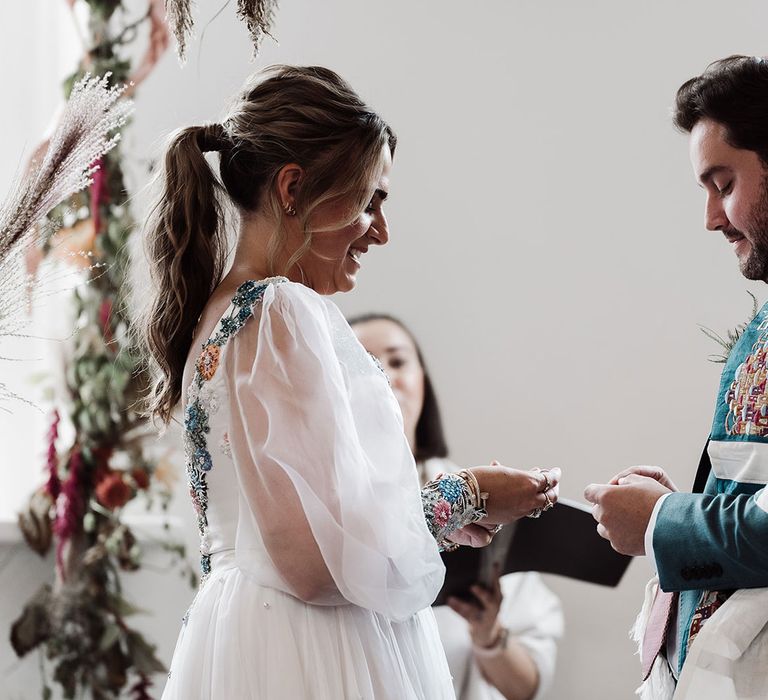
[[503, 644]]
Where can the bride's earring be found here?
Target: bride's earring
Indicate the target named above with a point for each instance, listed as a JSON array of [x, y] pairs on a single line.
[[289, 209]]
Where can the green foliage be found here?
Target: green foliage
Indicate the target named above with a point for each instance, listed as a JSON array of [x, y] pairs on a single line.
[[731, 336]]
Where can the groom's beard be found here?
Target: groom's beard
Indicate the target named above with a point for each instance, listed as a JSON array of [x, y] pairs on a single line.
[[755, 267]]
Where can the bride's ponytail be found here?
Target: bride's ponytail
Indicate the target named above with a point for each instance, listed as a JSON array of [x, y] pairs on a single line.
[[185, 248]]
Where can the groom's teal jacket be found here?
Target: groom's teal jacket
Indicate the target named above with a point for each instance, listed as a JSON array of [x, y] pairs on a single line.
[[718, 539]]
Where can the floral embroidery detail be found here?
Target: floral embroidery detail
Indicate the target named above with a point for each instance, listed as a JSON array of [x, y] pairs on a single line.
[[224, 446], [205, 543], [449, 506], [202, 402], [709, 602], [441, 512], [230, 326], [450, 489], [746, 398], [195, 418], [380, 367], [196, 502], [208, 362], [202, 458], [250, 292]]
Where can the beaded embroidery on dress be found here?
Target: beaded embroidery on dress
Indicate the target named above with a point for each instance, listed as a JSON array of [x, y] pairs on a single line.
[[202, 403]]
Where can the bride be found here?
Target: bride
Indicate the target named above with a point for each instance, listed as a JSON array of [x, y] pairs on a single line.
[[319, 553]]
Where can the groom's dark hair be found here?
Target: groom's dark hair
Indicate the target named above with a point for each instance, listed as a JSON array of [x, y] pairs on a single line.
[[733, 92]]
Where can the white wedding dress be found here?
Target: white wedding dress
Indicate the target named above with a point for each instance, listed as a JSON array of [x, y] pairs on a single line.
[[318, 566]]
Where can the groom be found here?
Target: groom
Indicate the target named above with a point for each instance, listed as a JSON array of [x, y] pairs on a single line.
[[711, 545]]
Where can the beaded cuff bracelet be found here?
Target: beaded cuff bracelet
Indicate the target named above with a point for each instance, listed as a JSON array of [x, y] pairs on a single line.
[[451, 502]]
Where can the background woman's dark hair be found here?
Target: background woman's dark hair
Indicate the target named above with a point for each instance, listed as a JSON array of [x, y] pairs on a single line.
[[733, 92], [430, 438], [285, 114]]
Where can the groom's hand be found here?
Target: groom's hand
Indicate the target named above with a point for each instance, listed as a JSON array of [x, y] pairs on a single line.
[[654, 472], [622, 510]]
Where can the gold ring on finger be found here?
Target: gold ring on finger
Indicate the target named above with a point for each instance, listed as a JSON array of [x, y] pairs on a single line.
[[549, 504], [547, 483], [535, 513]]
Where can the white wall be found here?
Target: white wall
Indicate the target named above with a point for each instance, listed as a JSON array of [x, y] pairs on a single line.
[[547, 238]]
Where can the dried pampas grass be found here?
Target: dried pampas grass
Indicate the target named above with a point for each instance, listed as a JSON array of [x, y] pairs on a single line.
[[87, 129], [258, 15], [179, 16]]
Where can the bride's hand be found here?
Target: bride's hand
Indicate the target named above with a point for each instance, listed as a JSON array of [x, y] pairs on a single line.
[[471, 536], [515, 493]]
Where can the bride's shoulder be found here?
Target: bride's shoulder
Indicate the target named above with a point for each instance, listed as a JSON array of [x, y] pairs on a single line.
[[294, 299], [274, 295]]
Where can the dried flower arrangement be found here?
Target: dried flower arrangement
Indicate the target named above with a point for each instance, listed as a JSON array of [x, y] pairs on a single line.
[[79, 624]]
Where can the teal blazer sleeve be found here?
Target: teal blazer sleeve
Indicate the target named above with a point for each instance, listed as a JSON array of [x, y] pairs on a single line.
[[711, 541]]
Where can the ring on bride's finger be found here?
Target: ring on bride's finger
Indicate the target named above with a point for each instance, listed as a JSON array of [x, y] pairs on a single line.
[[547, 483], [549, 504], [495, 530], [535, 513]]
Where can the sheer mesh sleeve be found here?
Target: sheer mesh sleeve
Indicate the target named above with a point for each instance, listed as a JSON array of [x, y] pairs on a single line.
[[328, 485]]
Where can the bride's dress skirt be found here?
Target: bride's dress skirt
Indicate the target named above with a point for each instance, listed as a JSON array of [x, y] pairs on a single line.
[[243, 641]]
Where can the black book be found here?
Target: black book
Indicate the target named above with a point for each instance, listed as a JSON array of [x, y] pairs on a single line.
[[562, 541]]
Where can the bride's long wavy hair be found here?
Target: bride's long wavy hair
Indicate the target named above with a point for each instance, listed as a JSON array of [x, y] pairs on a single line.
[[285, 114]]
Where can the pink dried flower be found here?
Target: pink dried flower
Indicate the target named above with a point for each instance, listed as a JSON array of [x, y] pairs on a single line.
[[105, 313], [53, 485], [69, 508], [196, 502], [140, 691]]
